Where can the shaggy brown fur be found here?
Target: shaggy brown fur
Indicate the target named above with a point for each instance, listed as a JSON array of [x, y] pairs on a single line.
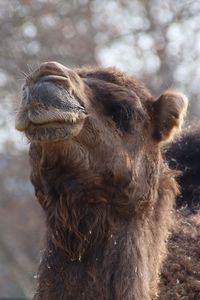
[[99, 175], [180, 277]]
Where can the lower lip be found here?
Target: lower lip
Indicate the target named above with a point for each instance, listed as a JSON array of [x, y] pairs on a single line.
[[55, 131]]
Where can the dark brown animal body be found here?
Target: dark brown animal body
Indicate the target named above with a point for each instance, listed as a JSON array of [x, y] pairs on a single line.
[[184, 154], [180, 278], [99, 175]]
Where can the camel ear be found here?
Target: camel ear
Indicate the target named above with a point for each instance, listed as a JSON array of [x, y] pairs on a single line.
[[169, 112]]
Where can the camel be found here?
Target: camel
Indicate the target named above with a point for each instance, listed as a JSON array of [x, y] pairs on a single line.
[[107, 193]]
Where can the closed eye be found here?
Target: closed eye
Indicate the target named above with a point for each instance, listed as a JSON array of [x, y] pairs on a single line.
[[121, 114]]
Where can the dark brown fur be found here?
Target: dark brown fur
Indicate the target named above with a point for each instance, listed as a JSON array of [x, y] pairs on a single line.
[[106, 192], [180, 277], [184, 154]]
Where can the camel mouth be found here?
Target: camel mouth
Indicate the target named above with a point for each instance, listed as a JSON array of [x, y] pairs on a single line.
[[49, 112], [55, 130], [63, 128]]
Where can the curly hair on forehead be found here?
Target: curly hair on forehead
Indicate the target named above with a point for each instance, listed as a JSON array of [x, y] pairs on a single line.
[[98, 173]]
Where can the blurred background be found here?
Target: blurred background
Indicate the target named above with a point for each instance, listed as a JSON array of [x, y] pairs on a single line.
[[156, 41]]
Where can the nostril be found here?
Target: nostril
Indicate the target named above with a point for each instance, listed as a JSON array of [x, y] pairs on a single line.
[[56, 78]]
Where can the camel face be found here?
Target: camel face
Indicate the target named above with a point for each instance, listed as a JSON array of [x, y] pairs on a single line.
[[56, 101]]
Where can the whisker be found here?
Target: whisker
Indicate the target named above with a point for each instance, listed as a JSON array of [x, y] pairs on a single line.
[[27, 75], [30, 69]]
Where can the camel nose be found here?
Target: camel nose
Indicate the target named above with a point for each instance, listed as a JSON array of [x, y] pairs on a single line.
[[47, 94]]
